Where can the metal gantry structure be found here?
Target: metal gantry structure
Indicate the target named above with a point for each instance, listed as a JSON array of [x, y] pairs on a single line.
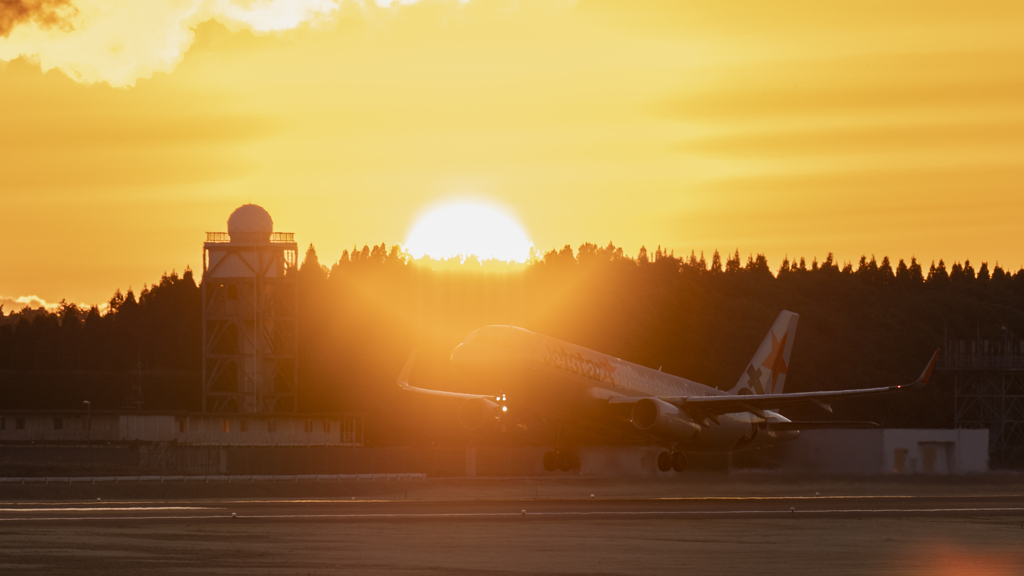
[[250, 301], [988, 388]]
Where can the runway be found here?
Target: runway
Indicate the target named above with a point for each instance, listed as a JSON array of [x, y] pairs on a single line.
[[448, 527], [341, 510]]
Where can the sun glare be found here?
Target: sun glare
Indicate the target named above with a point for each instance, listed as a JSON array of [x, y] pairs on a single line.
[[468, 229]]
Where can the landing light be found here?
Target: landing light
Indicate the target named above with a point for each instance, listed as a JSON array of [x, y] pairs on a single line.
[[504, 408]]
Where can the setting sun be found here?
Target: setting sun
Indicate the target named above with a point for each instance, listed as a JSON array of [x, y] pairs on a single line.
[[465, 229]]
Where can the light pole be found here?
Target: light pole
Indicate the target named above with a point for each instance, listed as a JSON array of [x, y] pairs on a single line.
[[88, 421]]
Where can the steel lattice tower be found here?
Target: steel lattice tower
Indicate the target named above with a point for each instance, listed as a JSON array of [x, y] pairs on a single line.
[[250, 301], [988, 384]]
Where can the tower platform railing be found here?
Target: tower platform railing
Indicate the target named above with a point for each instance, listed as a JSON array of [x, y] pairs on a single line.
[[250, 238], [982, 355]]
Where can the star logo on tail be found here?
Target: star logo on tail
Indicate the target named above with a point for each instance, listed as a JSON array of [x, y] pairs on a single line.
[[753, 381], [776, 362]]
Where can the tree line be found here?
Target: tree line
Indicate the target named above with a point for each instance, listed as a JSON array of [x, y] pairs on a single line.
[[866, 324], [159, 329]]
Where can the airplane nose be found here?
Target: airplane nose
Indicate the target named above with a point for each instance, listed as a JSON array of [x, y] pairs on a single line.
[[470, 362], [464, 363], [481, 366], [462, 355]]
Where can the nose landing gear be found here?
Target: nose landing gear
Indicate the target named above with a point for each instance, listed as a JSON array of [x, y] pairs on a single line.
[[671, 461]]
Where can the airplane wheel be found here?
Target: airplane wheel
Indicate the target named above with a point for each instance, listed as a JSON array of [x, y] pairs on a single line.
[[678, 462], [565, 461], [550, 461], [664, 461]]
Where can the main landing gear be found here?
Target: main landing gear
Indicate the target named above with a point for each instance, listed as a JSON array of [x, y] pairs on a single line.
[[560, 460], [671, 461]]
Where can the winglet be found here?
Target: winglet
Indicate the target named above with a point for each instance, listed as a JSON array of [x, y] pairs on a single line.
[[927, 373], [403, 376]]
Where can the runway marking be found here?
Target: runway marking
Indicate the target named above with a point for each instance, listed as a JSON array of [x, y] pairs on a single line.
[[634, 513], [866, 497], [119, 509], [223, 503], [532, 514]]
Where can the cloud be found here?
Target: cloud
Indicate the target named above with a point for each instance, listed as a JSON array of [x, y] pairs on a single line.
[[12, 304], [121, 41], [931, 84], [45, 14], [966, 140]]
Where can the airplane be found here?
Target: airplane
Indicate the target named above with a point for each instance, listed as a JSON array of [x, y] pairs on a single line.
[[540, 378]]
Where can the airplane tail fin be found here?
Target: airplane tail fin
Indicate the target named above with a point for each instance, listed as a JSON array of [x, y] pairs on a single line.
[[766, 371]]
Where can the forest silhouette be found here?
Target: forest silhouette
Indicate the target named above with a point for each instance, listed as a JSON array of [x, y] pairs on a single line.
[[869, 324]]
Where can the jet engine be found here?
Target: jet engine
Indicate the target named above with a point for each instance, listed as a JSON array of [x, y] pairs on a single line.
[[475, 412], [659, 418]]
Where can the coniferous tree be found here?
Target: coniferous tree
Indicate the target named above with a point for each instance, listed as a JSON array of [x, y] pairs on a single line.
[[968, 270], [956, 273], [716, 262], [885, 274], [983, 274], [732, 265]]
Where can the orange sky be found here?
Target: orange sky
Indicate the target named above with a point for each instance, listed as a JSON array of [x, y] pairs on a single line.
[[789, 128]]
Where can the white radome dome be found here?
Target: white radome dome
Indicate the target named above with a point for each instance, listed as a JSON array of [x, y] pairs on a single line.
[[250, 222]]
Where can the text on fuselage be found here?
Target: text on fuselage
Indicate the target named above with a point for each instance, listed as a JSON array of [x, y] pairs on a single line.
[[576, 363]]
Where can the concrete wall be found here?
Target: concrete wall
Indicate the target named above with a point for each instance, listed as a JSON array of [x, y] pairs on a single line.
[[169, 459], [42, 427], [158, 428], [194, 429], [834, 452], [815, 452], [110, 460], [958, 451], [887, 451]]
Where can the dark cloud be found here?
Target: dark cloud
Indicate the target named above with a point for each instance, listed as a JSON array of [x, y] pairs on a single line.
[[45, 13]]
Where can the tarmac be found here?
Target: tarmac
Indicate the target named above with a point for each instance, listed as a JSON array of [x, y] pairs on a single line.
[[712, 526]]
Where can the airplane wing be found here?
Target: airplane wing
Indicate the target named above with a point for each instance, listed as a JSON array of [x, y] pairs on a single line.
[[758, 403], [403, 383]]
